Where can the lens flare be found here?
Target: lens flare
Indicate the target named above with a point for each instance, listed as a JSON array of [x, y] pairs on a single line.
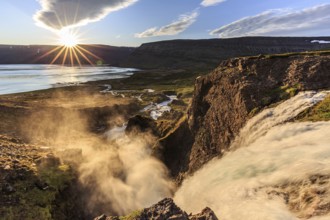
[[71, 51], [68, 39]]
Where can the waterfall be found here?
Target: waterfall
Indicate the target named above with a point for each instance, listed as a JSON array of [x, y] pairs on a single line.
[[270, 152]]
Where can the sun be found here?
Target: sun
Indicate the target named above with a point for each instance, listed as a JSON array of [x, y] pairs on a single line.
[[68, 38], [70, 50]]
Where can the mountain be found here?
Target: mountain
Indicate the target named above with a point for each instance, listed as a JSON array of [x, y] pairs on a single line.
[[207, 54], [45, 54], [196, 55]]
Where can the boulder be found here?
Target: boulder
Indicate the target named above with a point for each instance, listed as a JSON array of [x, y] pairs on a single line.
[[138, 124]]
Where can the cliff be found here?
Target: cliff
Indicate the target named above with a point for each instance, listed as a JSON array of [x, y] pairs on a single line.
[[225, 99], [164, 210], [207, 54]]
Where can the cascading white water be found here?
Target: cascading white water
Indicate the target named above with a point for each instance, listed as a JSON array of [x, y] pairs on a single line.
[[268, 153], [261, 123]]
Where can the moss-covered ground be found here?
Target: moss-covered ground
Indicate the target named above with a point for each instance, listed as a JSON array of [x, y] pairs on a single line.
[[320, 112]]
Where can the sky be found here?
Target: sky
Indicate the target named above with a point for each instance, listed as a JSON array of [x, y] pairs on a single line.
[[133, 22]]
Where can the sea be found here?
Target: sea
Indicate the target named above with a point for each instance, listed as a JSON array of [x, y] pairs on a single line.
[[32, 77]]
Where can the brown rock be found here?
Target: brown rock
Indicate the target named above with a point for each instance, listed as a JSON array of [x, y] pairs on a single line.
[[206, 214], [47, 161], [166, 210], [226, 98]]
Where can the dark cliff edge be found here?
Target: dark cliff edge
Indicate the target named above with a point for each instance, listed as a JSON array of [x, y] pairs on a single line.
[[225, 99], [163, 210], [205, 55]]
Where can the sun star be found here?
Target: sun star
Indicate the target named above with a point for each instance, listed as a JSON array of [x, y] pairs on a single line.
[[68, 38]]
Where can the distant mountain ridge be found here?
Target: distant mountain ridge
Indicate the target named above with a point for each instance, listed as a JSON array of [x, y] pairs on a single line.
[[208, 53], [197, 55], [36, 54]]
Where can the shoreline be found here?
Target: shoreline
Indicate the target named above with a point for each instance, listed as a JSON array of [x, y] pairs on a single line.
[[29, 78]]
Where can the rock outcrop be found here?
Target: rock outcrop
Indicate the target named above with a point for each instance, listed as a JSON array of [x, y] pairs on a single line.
[[225, 99], [165, 210]]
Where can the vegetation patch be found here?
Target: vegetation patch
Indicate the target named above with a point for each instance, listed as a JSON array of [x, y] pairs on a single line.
[[320, 112], [280, 93], [131, 216], [285, 55]]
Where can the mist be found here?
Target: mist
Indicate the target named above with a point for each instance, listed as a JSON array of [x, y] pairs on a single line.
[[125, 175], [117, 173], [271, 165]]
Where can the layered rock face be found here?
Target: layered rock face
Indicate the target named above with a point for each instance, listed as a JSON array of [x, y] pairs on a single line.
[[225, 99]]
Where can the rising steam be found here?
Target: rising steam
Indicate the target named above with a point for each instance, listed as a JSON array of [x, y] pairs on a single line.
[[59, 14], [268, 156], [117, 173], [124, 175]]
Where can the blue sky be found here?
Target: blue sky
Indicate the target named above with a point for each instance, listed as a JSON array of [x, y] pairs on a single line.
[[132, 22]]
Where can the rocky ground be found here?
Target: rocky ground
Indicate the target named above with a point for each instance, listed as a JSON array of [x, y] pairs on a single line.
[[31, 178], [164, 210], [34, 182]]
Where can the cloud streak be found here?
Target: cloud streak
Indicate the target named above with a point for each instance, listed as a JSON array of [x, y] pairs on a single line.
[[173, 28], [59, 14], [207, 3], [280, 22]]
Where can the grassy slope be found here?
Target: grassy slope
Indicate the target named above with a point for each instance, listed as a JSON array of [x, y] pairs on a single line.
[[320, 112]]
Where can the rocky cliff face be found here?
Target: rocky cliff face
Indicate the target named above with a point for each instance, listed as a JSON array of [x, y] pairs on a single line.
[[164, 210], [206, 54], [225, 99]]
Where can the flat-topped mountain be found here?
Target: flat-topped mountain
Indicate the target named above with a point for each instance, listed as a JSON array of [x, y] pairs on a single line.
[[207, 54]]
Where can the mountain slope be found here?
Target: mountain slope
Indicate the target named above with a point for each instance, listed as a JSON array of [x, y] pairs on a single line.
[[42, 54], [206, 54]]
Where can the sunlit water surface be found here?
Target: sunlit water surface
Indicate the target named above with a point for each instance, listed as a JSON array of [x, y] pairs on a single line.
[[24, 78]]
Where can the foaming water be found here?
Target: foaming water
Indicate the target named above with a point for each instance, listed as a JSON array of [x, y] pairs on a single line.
[[24, 78], [268, 154], [271, 117]]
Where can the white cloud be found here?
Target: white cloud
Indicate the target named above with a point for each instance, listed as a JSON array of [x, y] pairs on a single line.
[[281, 22], [207, 3], [58, 14], [173, 28]]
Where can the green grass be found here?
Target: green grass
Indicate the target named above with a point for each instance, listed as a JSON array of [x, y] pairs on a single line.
[[321, 112], [131, 216], [280, 93], [35, 203], [285, 55]]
